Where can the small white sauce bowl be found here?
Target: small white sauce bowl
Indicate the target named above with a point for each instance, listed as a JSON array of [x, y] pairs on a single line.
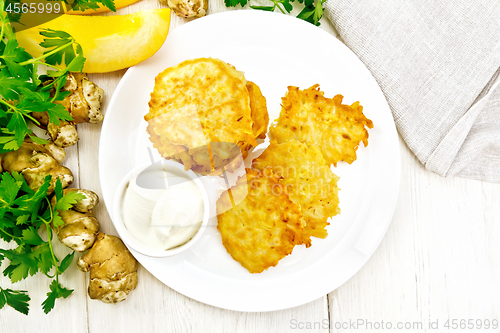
[[133, 242]]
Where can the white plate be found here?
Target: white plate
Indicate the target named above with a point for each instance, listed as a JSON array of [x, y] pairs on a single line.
[[274, 51]]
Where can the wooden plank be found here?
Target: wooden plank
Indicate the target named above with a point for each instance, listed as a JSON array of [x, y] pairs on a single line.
[[154, 306], [438, 261], [72, 309]]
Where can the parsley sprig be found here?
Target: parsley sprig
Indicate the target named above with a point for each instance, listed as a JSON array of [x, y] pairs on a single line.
[[18, 299], [23, 91], [81, 5], [24, 215], [311, 12]]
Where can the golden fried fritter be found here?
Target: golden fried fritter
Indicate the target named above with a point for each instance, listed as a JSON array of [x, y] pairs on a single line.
[[336, 128], [258, 106], [264, 226], [200, 102], [307, 180]]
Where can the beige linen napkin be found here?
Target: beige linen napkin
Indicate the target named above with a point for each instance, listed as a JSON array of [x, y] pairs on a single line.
[[436, 62]]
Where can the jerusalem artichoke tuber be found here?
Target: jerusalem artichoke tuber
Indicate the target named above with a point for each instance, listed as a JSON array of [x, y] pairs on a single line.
[[35, 161], [84, 105], [187, 8], [80, 227], [113, 269]]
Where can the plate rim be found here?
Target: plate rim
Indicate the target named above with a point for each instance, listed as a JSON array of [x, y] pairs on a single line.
[[393, 190]]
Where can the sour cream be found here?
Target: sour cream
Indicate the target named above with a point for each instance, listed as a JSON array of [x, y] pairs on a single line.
[[163, 218]]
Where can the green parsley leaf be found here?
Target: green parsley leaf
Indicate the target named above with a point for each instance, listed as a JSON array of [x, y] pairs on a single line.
[[63, 47], [24, 186], [21, 265], [109, 3], [69, 200], [266, 8], [9, 188], [22, 219], [5, 20], [17, 299], [43, 96], [28, 105], [306, 14], [318, 12], [57, 220], [56, 291], [57, 112], [6, 223], [55, 38], [12, 15], [58, 190], [40, 101], [43, 255], [81, 5], [76, 65], [64, 203], [8, 143], [30, 236], [38, 140], [311, 13], [12, 56], [287, 5], [234, 3], [66, 262], [9, 86], [62, 94], [7, 229], [18, 125], [29, 202]]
